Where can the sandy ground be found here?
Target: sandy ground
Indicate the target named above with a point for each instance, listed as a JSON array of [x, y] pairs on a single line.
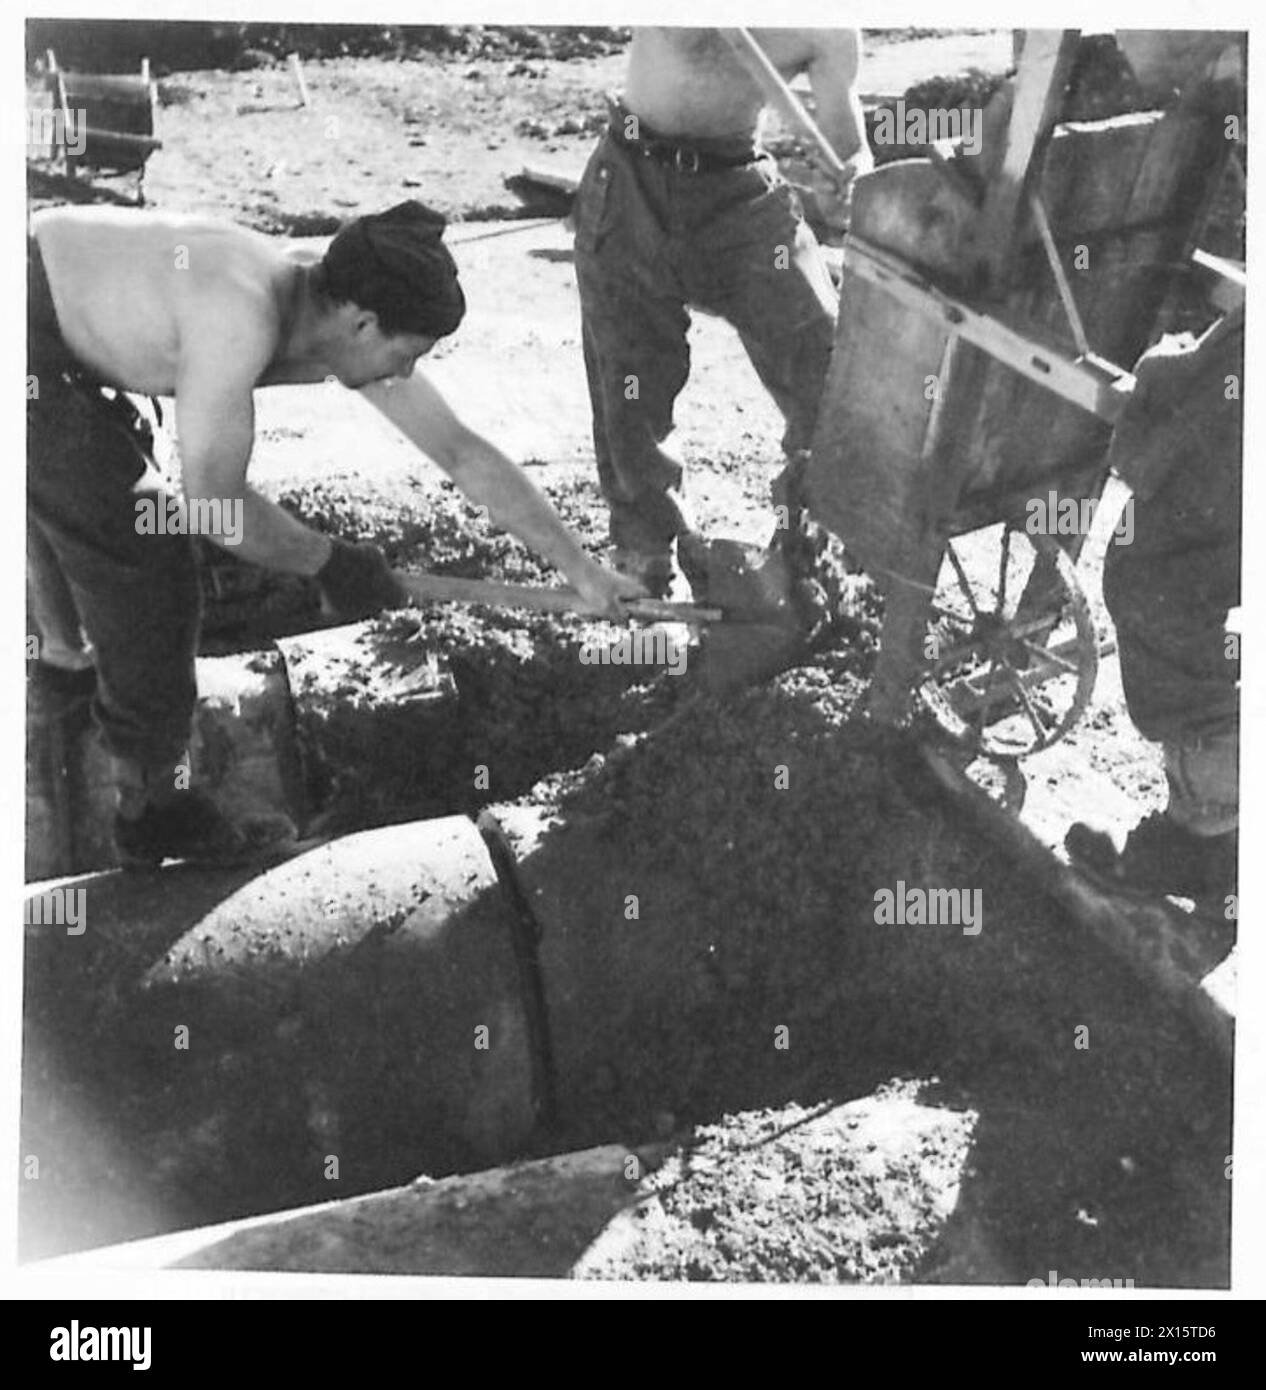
[[1117, 1172]]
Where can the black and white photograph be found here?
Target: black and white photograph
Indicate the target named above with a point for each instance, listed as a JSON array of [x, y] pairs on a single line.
[[633, 657]]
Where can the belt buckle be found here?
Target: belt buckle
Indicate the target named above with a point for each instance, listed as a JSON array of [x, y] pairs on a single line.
[[681, 165]]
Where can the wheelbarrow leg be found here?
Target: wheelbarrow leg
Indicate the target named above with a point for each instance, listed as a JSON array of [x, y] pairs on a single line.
[[903, 655]]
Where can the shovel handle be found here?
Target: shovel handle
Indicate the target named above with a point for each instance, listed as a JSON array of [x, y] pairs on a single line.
[[426, 588], [658, 610], [772, 83]]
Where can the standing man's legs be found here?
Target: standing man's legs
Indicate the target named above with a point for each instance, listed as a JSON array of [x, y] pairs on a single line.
[[1169, 601], [775, 289], [1169, 591], [651, 237], [634, 325], [1169, 594], [755, 262]]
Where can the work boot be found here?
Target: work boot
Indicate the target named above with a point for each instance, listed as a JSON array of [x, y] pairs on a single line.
[[1203, 773], [644, 538], [656, 571], [156, 822], [653, 570], [190, 826], [1161, 859]]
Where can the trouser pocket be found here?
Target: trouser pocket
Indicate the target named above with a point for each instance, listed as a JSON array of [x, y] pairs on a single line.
[[594, 209]]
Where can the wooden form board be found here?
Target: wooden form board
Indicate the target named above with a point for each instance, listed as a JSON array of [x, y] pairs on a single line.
[[1171, 953], [118, 111]]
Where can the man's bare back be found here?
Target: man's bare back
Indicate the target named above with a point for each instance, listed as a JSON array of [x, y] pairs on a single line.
[[688, 82], [207, 312], [130, 287]]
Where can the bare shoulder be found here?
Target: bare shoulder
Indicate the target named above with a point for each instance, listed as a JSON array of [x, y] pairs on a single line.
[[231, 283], [795, 50]]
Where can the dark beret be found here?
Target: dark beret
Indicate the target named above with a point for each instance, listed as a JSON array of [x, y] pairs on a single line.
[[405, 244]]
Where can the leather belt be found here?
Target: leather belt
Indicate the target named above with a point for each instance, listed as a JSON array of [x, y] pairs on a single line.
[[682, 157]]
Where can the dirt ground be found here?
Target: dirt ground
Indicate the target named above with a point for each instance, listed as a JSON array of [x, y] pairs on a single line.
[[952, 1132]]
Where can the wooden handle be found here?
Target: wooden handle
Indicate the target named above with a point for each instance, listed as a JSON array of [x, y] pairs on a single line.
[[757, 62], [426, 588]]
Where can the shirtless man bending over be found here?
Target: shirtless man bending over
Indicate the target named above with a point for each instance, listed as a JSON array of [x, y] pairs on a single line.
[[680, 206], [208, 313]]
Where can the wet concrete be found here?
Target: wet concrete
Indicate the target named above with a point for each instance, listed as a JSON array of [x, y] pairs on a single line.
[[706, 897]]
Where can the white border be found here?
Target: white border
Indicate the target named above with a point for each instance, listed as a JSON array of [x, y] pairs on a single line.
[[1249, 1268]]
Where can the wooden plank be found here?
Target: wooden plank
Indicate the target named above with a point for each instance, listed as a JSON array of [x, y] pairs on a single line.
[[864, 479], [1089, 172], [1165, 166], [1135, 216], [1087, 385], [1148, 937], [1224, 282], [112, 114], [142, 145], [915, 211], [1022, 434], [124, 87], [867, 475], [564, 180], [1045, 65]]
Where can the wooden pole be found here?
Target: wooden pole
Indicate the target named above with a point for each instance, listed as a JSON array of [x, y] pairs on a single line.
[[426, 588], [1046, 62], [779, 94], [296, 69], [1071, 311]]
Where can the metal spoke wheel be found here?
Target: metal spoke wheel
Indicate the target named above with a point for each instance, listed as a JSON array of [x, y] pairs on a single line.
[[1013, 647]]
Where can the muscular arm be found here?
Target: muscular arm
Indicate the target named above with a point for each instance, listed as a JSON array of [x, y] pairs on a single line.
[[482, 471], [220, 362], [833, 68], [215, 421]]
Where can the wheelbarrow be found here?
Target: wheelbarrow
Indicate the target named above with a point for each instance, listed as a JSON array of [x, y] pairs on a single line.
[[974, 386]]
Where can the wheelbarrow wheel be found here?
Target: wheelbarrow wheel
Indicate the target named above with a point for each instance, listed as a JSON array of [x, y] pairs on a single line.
[[1013, 645]]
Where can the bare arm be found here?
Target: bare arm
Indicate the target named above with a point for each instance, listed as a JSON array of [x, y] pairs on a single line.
[[418, 410], [215, 423], [833, 69]]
